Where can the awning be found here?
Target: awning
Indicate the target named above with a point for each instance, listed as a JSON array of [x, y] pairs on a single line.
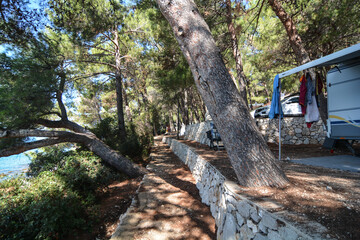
[[331, 59]]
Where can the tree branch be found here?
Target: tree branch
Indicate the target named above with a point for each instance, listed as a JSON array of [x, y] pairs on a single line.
[[109, 38], [100, 63], [22, 133], [93, 75], [64, 124], [59, 97], [100, 48], [29, 146], [51, 113]]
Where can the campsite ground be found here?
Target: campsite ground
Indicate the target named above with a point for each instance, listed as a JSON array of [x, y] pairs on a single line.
[[330, 197]]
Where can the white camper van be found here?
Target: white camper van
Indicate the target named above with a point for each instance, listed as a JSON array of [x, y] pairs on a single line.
[[343, 88]]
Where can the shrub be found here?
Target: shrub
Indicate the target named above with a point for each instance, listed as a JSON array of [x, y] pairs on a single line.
[[58, 199], [39, 208], [135, 147]]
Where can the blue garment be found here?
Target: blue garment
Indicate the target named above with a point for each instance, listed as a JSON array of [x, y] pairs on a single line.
[[274, 109], [310, 89]]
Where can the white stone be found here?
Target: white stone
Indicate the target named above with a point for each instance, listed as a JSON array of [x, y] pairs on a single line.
[[262, 227], [230, 198], [244, 209], [306, 141], [230, 208], [229, 229], [288, 233], [259, 236], [269, 221], [272, 235], [246, 233], [220, 217], [298, 130], [240, 219], [252, 226], [254, 215], [213, 209], [205, 197]]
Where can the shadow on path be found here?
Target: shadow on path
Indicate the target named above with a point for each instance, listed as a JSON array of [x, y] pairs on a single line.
[[168, 205]]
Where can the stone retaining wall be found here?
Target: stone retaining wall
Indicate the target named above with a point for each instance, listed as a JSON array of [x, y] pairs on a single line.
[[293, 131], [236, 217]]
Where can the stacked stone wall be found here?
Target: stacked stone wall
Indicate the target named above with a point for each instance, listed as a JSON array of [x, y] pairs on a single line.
[[293, 131], [236, 217]]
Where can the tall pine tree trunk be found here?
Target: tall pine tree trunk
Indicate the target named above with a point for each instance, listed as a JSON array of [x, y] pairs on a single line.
[[118, 86], [252, 160], [120, 109], [236, 53], [296, 44]]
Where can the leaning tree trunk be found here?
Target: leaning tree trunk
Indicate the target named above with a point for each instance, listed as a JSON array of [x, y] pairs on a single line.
[[82, 136], [249, 154], [296, 44]]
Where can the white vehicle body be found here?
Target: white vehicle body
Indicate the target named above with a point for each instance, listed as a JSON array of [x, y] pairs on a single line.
[[343, 86], [290, 107]]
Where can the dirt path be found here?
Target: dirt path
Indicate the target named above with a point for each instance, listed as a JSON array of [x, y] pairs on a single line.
[[168, 205]]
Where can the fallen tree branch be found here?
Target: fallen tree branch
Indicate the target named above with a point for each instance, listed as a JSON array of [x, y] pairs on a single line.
[[29, 146]]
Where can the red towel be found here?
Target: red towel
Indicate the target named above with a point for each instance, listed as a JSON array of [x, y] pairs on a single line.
[[302, 97]]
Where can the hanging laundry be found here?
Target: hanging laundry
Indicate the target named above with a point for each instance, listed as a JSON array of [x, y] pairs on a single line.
[[310, 88], [302, 98], [275, 101], [312, 112]]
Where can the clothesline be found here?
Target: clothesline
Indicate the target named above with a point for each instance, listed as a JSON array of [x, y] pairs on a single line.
[[332, 59]]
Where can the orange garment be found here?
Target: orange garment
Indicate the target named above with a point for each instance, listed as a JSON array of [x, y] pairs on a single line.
[[302, 98]]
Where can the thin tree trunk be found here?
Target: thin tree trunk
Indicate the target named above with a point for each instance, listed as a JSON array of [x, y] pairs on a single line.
[[242, 79], [118, 86], [294, 38], [296, 44], [120, 110], [186, 109], [252, 160], [126, 103]]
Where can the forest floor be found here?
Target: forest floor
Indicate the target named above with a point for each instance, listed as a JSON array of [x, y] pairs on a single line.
[[330, 197]]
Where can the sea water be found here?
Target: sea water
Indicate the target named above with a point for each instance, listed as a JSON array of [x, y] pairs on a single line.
[[13, 165]]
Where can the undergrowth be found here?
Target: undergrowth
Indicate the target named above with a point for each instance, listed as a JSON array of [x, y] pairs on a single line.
[[56, 199]]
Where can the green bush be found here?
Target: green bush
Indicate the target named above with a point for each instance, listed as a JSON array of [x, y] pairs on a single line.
[[135, 147], [57, 199]]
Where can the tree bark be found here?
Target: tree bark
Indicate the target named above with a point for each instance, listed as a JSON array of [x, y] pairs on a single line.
[[242, 79], [249, 154], [126, 103], [296, 44], [301, 54], [88, 139], [119, 106], [118, 86]]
